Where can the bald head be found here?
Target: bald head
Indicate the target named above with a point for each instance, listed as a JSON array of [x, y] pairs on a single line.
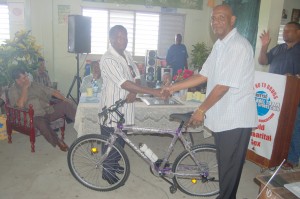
[[225, 8], [222, 20]]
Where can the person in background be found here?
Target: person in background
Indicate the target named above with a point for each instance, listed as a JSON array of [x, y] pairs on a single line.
[[177, 55], [285, 59], [40, 75], [121, 80], [89, 80], [229, 73], [24, 92], [166, 79]]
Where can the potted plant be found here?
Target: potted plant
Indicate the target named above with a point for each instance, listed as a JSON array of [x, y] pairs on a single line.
[[199, 55], [21, 51]]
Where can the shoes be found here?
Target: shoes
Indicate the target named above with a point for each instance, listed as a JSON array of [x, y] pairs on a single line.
[[62, 145], [109, 172], [118, 169], [110, 177], [288, 165]]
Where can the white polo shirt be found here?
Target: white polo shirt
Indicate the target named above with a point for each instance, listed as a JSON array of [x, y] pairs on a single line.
[[115, 71], [231, 63]]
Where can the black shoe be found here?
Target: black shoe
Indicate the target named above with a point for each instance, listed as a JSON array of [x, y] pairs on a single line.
[[110, 177], [118, 169]]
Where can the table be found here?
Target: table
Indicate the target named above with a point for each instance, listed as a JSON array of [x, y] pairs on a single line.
[[86, 119], [276, 189]]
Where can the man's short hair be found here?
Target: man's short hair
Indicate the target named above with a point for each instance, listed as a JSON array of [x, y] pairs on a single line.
[[15, 74], [296, 24], [40, 59], [115, 30]]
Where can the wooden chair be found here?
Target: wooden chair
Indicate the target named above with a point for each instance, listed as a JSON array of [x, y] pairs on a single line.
[[21, 120]]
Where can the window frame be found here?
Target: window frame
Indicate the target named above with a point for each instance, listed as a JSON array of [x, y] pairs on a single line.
[[161, 53]]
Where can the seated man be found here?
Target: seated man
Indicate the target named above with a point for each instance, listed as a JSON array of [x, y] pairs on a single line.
[[167, 79], [87, 81], [40, 75], [23, 92]]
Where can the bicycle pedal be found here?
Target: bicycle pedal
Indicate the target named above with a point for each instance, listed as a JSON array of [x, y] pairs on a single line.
[[158, 163]]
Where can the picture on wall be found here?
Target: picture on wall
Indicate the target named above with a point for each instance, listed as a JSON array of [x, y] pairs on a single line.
[[296, 15]]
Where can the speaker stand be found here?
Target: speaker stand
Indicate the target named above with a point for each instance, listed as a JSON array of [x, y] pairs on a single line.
[[78, 80]]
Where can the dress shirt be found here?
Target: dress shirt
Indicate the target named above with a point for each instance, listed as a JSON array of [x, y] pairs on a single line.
[[115, 71], [231, 63]]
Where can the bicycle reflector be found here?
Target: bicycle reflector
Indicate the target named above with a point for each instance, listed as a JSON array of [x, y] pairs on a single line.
[[94, 150], [194, 181]]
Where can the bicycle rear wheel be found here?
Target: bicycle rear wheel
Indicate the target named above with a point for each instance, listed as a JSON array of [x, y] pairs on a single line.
[[196, 180], [84, 158]]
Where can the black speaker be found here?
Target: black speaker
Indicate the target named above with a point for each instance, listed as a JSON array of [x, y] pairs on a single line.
[[150, 63], [79, 34]]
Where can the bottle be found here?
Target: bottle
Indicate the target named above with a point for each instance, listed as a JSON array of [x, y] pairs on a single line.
[[148, 152], [95, 86], [157, 85]]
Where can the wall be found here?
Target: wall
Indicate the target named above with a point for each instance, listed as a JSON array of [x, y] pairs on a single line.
[[289, 5]]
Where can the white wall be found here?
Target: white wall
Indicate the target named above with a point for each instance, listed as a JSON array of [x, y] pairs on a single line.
[[289, 5]]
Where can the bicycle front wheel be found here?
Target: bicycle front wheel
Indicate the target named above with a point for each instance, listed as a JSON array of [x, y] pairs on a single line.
[[86, 165], [197, 180]]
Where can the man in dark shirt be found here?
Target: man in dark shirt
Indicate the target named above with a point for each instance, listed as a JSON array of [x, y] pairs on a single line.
[[177, 55], [285, 59]]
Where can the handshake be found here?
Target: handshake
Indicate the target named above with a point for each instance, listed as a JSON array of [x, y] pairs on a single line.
[[165, 92]]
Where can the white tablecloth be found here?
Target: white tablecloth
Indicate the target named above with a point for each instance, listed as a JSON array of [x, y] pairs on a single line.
[[86, 120]]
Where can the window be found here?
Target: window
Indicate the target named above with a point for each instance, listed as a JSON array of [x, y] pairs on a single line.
[[99, 29], [4, 23], [146, 36], [280, 35], [145, 30]]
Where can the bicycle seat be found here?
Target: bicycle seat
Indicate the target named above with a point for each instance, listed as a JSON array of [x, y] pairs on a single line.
[[181, 116]]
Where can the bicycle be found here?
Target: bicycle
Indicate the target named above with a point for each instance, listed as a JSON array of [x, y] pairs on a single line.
[[194, 171]]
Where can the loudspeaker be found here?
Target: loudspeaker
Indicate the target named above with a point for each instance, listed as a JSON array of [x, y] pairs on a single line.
[[150, 63], [79, 34]]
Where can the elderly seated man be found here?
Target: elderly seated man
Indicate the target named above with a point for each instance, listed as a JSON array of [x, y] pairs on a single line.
[[94, 78], [24, 92]]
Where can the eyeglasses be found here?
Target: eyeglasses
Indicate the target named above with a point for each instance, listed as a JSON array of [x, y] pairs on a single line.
[[132, 71]]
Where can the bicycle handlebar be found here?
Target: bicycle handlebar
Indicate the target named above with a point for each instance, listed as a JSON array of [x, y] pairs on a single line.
[[113, 109]]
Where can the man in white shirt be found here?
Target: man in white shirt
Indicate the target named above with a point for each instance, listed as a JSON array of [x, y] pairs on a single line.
[[229, 109], [121, 80]]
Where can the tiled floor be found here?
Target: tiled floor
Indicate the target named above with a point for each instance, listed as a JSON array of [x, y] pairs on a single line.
[[45, 174]]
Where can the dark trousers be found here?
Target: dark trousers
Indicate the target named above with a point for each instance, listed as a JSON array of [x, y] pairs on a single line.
[[42, 123], [113, 156], [231, 152]]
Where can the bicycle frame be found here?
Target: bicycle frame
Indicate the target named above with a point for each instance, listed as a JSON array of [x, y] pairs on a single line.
[[161, 170], [101, 164]]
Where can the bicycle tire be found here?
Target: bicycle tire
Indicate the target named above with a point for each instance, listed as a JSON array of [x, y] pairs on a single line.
[[196, 184], [82, 162]]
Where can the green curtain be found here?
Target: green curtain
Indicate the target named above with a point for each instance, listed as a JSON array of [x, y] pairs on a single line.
[[247, 13]]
